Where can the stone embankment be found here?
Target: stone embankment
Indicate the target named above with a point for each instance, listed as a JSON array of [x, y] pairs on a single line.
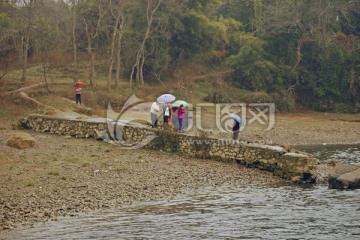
[[293, 165]]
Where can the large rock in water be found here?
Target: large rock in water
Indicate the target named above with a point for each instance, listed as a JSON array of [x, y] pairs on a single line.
[[345, 177], [297, 167], [21, 141]]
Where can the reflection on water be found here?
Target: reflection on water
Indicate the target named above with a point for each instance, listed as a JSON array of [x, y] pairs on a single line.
[[232, 212], [340, 153]]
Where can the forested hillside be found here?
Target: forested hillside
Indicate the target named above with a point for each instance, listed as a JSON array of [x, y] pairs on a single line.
[[295, 51]]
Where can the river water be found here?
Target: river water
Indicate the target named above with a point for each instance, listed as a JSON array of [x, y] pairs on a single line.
[[342, 153], [228, 212]]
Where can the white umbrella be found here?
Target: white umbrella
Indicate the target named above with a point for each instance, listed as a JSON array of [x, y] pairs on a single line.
[[236, 118], [166, 98], [177, 103]]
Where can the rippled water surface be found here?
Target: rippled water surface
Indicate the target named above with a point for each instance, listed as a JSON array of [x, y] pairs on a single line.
[[341, 153], [284, 212]]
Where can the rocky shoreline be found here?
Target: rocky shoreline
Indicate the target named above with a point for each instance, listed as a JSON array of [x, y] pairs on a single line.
[[62, 176]]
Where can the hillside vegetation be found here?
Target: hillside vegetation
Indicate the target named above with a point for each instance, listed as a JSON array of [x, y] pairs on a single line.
[[292, 53]]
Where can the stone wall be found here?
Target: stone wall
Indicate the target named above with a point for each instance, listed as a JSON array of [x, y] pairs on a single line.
[[298, 167]]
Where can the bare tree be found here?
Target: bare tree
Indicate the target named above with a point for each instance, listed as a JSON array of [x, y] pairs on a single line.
[[26, 38], [74, 41], [91, 35], [118, 21], [140, 53], [119, 45]]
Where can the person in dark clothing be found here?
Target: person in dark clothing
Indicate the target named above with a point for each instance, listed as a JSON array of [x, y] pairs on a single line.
[[236, 130]]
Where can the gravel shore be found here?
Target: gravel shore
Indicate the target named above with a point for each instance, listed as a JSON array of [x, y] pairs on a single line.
[[65, 176]]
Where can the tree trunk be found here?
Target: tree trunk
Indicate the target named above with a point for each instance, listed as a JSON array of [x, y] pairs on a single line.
[[113, 39], [299, 56], [92, 56], [74, 43], [92, 62], [118, 56], [26, 38], [25, 58], [140, 54], [90, 37], [111, 59], [352, 82]]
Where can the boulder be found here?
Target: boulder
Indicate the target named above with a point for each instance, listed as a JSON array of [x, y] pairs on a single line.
[[21, 141], [23, 123], [345, 177], [297, 167], [333, 169]]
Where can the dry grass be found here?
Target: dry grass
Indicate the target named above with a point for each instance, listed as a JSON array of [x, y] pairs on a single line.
[[193, 88]]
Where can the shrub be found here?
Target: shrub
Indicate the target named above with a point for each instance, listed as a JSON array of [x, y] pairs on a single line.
[[167, 140], [344, 108], [284, 103], [217, 96], [258, 97]]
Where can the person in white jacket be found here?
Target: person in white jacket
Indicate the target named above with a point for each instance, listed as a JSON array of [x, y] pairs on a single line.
[[154, 111], [166, 113]]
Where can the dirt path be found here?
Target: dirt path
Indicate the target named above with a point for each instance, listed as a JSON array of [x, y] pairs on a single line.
[[23, 89]]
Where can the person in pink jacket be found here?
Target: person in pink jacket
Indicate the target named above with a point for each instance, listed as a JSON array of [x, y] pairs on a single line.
[[180, 114], [78, 93]]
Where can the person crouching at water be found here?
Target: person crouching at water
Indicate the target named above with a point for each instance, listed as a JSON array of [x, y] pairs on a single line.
[[180, 114], [236, 129]]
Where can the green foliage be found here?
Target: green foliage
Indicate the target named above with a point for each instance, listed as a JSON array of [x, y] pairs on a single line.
[[199, 34], [325, 75], [303, 52], [252, 69], [203, 5], [167, 139], [5, 26], [258, 19], [54, 173], [258, 97], [284, 102], [216, 96]]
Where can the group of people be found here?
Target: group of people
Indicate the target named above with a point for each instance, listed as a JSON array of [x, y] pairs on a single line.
[[167, 111]]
